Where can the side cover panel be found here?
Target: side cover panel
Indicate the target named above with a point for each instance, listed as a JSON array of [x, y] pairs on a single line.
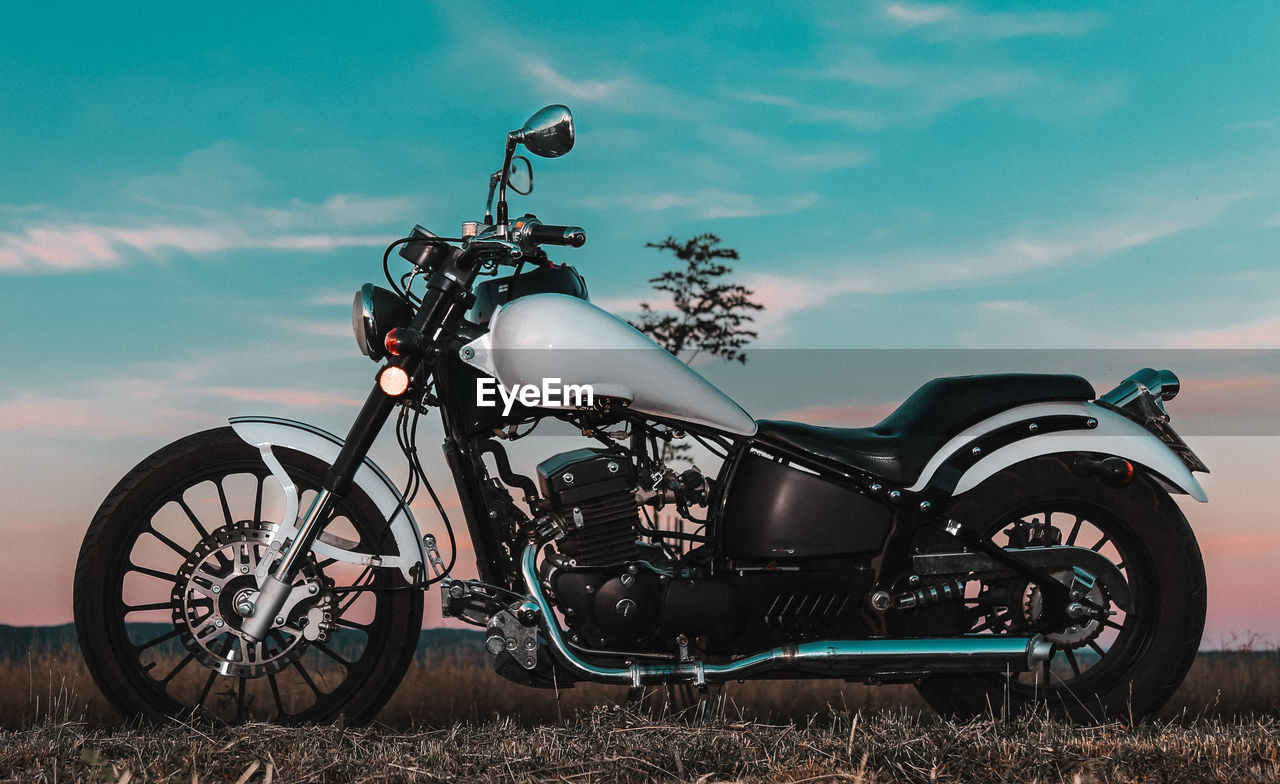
[[267, 432], [1115, 435]]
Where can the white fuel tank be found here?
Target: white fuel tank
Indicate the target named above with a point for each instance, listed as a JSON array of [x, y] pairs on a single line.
[[554, 337]]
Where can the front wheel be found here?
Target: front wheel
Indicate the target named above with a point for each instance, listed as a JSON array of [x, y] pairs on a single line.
[[1125, 665], [169, 560]]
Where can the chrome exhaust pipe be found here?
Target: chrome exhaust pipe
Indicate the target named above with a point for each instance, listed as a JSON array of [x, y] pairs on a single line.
[[835, 658]]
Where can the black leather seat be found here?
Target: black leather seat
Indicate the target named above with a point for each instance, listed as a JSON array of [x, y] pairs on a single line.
[[898, 448]]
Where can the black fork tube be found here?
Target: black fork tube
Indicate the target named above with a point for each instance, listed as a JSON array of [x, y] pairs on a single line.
[[364, 431]]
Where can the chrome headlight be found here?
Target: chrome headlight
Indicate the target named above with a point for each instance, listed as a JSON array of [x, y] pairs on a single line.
[[375, 312]]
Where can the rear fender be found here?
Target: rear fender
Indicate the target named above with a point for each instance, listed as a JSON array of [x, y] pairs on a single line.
[[1115, 435], [266, 433]]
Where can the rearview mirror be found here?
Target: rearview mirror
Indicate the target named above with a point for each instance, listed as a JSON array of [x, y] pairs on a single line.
[[520, 175], [548, 133]]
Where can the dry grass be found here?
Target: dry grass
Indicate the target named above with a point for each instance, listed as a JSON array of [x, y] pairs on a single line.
[[443, 725], [442, 690], [611, 744]]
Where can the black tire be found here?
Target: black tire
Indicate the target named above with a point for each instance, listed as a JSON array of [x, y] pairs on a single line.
[[194, 496], [1131, 669]]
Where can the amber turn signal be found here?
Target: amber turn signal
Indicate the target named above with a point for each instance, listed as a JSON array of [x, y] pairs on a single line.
[[402, 340]]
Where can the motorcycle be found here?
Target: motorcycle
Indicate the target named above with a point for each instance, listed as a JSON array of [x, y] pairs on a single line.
[[998, 540]]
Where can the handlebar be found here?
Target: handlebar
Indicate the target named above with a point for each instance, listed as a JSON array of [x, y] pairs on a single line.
[[548, 234], [425, 249], [531, 230]]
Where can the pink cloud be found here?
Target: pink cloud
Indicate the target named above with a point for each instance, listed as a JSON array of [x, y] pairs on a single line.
[[299, 398], [82, 246], [324, 242], [1255, 395], [1222, 544], [91, 418], [1261, 334]]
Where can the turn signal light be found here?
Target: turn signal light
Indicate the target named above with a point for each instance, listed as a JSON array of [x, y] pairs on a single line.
[[402, 340], [1115, 471], [393, 381]]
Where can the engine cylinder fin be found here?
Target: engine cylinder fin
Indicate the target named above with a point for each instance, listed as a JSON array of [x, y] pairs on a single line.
[[602, 530]]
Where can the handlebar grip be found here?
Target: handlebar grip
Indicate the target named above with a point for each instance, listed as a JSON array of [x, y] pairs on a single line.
[[547, 234]]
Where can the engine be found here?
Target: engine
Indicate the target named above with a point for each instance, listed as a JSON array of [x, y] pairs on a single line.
[[602, 572], [618, 589]]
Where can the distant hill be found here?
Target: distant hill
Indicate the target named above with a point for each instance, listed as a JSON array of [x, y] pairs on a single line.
[[16, 642]]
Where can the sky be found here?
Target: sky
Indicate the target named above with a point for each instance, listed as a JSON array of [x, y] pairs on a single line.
[[189, 198]]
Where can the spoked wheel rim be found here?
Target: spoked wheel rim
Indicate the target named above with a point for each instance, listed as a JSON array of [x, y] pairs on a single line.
[[170, 601], [1089, 653]]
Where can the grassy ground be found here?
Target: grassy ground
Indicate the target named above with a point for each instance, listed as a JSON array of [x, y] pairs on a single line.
[[445, 688], [453, 720], [611, 744]]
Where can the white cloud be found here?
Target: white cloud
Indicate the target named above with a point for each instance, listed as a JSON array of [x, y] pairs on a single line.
[[786, 157], [932, 88], [920, 14], [354, 210], [710, 203], [342, 209], [324, 242], [204, 206], [213, 176], [1012, 307], [326, 328], [580, 90], [957, 22], [79, 247], [1263, 333], [934, 270], [867, 86], [331, 299], [858, 119]]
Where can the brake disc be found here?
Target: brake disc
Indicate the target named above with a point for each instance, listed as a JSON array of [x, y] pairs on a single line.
[[216, 588]]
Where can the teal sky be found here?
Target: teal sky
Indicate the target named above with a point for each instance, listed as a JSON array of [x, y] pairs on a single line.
[[189, 198]]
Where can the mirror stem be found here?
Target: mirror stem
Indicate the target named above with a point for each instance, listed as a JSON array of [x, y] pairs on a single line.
[[502, 183], [488, 202]]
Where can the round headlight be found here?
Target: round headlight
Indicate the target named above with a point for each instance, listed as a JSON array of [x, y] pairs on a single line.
[[375, 312]]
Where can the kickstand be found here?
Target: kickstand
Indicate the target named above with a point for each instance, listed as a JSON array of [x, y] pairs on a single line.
[[710, 702], [556, 683]]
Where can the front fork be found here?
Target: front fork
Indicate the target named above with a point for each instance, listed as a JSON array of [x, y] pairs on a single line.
[[448, 296], [264, 611]]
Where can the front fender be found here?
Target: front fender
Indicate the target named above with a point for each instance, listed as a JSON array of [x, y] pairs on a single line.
[[268, 432], [1115, 435]]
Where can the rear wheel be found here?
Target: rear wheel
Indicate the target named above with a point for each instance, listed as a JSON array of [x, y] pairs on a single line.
[[1126, 664], [169, 560]]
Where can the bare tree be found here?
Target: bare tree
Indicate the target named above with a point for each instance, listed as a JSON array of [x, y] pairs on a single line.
[[709, 315]]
